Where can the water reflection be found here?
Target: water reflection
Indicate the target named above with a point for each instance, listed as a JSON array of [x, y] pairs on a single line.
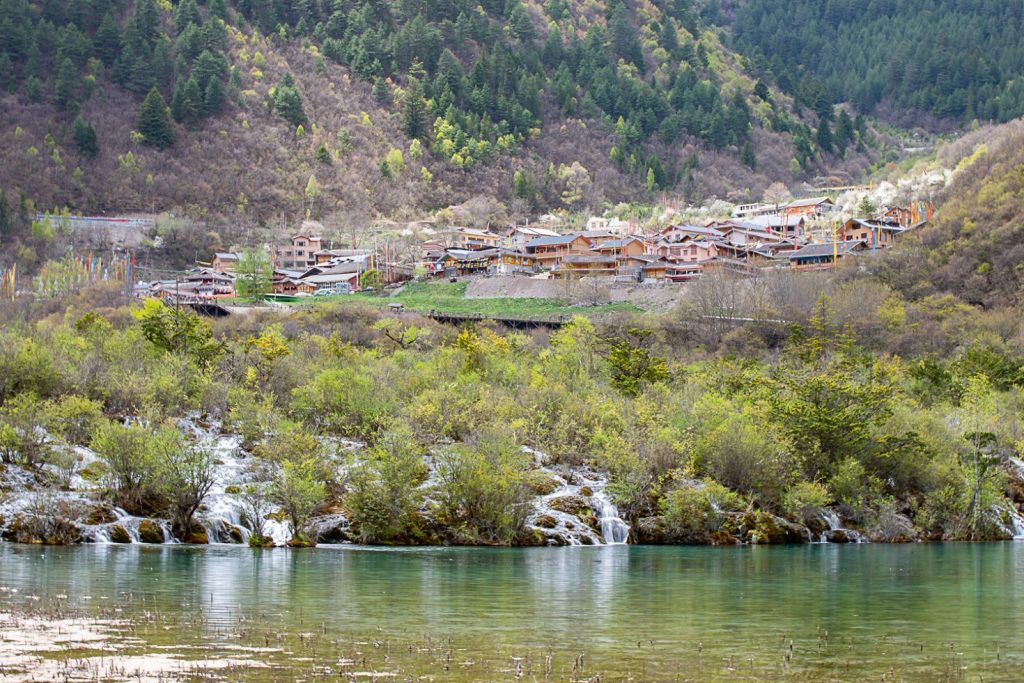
[[606, 598]]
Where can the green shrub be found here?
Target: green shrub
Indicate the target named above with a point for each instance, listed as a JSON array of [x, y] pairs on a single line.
[[748, 456], [383, 489], [346, 401], [299, 489], [482, 490], [804, 500], [698, 509], [74, 418], [23, 438], [135, 457]]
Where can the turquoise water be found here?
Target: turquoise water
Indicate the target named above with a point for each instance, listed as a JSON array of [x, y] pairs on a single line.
[[813, 613]]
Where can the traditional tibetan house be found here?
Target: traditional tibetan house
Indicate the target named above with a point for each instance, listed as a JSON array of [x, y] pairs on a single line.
[[550, 251], [874, 234], [817, 206], [822, 256], [460, 262], [629, 246], [225, 262]]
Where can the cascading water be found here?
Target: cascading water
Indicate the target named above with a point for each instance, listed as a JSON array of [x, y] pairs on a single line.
[[836, 532], [1016, 525], [834, 524], [577, 511], [613, 530]]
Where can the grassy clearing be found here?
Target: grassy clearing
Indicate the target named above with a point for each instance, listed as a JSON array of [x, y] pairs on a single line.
[[450, 297]]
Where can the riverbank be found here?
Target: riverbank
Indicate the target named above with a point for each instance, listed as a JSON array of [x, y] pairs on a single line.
[[562, 505], [144, 423]]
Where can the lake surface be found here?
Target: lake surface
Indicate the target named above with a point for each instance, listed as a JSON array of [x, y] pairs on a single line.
[[942, 612]]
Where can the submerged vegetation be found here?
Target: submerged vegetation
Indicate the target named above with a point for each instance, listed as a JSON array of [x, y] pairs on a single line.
[[811, 420]]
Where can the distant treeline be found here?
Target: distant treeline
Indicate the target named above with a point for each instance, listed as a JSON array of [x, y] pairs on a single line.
[[954, 59]]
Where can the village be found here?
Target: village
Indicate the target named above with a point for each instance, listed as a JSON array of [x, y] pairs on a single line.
[[801, 235]]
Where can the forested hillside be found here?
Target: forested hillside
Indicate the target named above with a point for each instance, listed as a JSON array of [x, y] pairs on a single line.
[[249, 109], [952, 59], [973, 248]]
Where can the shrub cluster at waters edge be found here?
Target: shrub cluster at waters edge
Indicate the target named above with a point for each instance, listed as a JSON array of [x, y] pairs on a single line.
[[901, 447]]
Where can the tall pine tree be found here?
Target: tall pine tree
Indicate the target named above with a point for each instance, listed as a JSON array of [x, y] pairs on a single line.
[[414, 105], [288, 101], [154, 121]]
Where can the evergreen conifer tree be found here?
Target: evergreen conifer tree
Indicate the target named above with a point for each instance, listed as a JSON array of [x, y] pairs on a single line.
[[844, 132], [69, 86], [84, 136], [824, 136], [33, 90], [192, 102], [323, 155], [6, 72], [214, 98], [414, 105], [154, 121], [288, 101], [108, 40], [747, 156], [380, 91]]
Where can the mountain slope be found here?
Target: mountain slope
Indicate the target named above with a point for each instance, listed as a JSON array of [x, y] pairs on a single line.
[[591, 102], [974, 247], [939, 62]]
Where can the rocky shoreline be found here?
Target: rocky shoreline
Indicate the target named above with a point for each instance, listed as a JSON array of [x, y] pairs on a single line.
[[569, 507]]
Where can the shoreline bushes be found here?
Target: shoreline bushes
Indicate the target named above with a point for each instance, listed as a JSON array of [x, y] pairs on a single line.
[[886, 440]]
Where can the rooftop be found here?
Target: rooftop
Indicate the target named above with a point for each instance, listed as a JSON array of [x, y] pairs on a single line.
[[552, 241], [617, 244], [825, 249], [694, 230], [814, 201]]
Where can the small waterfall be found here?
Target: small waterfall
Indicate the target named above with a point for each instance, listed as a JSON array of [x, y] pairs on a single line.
[[280, 531], [125, 528], [613, 530], [834, 524], [836, 532], [1016, 526], [578, 511]]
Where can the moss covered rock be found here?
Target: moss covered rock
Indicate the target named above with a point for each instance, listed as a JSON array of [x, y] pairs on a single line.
[[530, 538], [118, 534], [197, 537], [101, 514], [574, 505], [723, 538], [542, 483], [764, 528], [55, 530], [301, 542], [257, 541], [93, 471], [651, 531], [546, 522], [150, 532]]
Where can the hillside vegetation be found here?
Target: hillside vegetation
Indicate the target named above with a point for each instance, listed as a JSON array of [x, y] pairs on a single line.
[[973, 247], [903, 447], [953, 60], [357, 109]]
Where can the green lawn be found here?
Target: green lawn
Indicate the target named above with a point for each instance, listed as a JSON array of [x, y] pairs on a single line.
[[450, 297]]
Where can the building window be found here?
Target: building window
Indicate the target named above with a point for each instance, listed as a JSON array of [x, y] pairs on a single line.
[[300, 243]]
